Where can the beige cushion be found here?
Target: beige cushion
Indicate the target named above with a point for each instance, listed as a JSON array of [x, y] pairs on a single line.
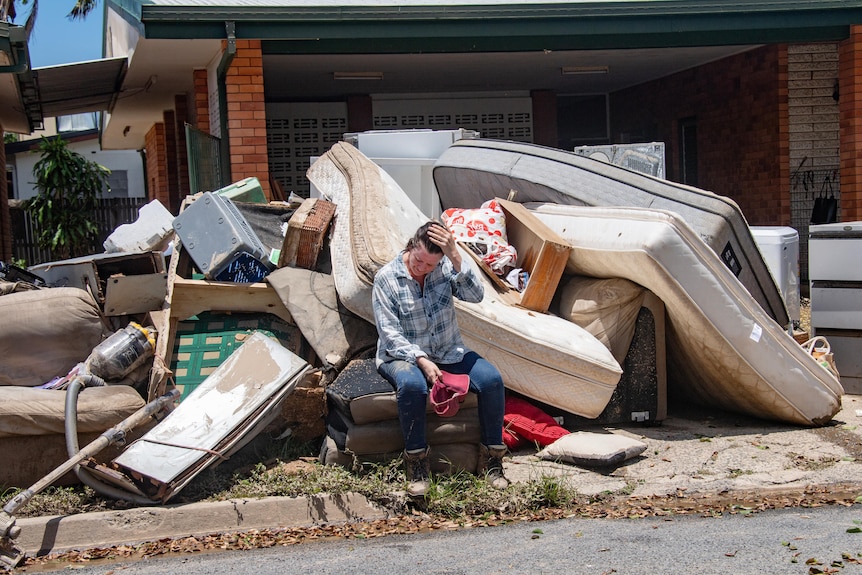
[[26, 411], [589, 449]]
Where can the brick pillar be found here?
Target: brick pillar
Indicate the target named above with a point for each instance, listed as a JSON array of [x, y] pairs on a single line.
[[157, 166], [545, 118], [170, 124], [850, 122], [202, 101], [360, 116], [783, 136], [246, 115], [5, 217], [182, 117]]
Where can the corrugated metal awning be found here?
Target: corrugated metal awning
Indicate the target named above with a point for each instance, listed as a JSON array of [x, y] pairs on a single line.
[[91, 86]]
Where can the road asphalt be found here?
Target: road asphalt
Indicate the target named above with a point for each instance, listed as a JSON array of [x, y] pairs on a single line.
[[693, 452]]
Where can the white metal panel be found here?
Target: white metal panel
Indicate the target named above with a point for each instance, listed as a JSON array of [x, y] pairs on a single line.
[[846, 348], [223, 403], [836, 307], [406, 143], [835, 252]]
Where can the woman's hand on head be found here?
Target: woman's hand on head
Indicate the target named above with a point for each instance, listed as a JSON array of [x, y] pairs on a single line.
[[442, 237]]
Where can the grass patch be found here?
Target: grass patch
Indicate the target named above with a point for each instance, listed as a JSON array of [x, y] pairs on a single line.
[[266, 467]]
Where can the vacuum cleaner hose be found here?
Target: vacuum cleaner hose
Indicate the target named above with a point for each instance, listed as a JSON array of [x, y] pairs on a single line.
[[71, 415]]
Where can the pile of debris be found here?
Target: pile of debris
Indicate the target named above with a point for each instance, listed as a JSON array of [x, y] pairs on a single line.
[[178, 296]]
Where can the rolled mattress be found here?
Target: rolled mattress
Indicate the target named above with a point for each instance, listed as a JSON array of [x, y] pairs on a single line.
[[723, 350]]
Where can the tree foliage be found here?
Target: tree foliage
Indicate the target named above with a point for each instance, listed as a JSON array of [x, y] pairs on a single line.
[[69, 187]]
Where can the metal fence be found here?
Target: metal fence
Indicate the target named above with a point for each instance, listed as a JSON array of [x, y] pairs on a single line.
[[205, 171], [805, 187], [110, 214]]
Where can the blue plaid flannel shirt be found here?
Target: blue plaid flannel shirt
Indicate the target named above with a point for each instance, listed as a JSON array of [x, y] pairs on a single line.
[[412, 322]]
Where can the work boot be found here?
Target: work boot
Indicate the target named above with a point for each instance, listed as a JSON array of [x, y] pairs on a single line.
[[418, 472], [491, 465]]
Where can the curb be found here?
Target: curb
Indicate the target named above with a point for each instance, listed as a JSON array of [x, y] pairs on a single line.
[[61, 533]]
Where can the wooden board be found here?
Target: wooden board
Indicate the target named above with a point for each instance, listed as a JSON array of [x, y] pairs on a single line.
[[541, 252]]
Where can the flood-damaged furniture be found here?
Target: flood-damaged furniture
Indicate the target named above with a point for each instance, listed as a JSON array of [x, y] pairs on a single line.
[[122, 283], [362, 424], [32, 428], [44, 334], [221, 415]]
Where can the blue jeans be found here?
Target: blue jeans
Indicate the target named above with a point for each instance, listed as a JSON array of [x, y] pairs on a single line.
[[412, 393]]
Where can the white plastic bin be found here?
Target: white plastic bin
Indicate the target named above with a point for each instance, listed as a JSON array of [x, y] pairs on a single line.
[[780, 248]]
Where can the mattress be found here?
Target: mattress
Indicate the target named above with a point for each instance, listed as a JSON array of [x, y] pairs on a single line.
[[472, 171], [541, 356], [723, 350]]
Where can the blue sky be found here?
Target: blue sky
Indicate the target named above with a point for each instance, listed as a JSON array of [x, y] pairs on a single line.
[[58, 40]]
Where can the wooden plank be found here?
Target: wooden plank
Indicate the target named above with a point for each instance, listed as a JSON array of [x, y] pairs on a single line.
[[541, 252], [187, 297], [191, 297]]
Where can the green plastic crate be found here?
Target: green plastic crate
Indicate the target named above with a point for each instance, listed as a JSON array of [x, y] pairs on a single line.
[[204, 341]]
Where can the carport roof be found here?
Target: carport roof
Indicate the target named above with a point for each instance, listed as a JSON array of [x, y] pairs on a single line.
[[82, 87], [496, 24], [304, 41]]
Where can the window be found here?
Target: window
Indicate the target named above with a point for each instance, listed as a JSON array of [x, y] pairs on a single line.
[[582, 121], [10, 182], [119, 182], [78, 122], [688, 151]]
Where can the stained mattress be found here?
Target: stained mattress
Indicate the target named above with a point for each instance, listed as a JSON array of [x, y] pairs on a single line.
[[723, 349], [541, 356], [472, 171]]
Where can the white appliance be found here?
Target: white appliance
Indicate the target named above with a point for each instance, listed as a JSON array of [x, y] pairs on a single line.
[[835, 272], [409, 156], [779, 246]]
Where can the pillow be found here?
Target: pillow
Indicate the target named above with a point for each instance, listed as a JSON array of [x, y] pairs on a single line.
[[589, 449], [484, 231]]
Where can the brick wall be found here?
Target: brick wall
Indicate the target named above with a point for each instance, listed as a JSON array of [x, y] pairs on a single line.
[[201, 119], [181, 109], [169, 121], [157, 165], [850, 114], [246, 115], [737, 104], [812, 110]]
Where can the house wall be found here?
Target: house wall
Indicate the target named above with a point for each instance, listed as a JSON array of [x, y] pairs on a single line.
[[850, 114], [739, 106], [114, 160], [201, 119], [157, 165]]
